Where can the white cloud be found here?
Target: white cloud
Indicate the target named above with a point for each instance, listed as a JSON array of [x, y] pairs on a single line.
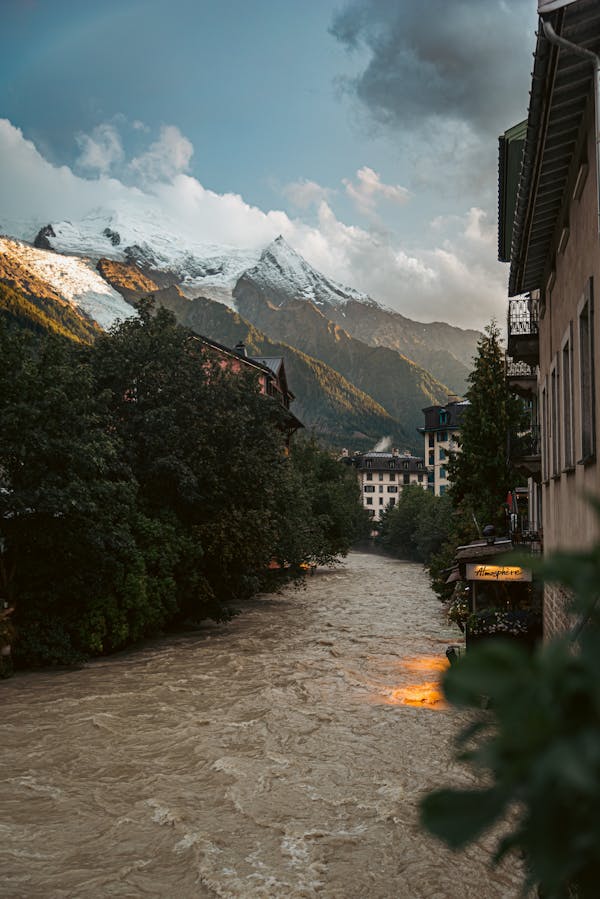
[[369, 189], [167, 157], [456, 278], [101, 149], [305, 194]]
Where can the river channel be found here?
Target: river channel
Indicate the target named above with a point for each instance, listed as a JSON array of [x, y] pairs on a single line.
[[278, 756]]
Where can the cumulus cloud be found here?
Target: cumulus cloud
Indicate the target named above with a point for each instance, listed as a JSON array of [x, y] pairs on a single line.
[[100, 150], [458, 280], [304, 194], [369, 189], [167, 157]]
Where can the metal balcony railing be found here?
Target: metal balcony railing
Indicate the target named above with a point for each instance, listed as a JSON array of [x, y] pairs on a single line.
[[522, 317], [515, 369], [527, 445]]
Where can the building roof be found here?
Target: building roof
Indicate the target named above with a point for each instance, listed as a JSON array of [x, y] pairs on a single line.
[[560, 93], [375, 461], [452, 419]]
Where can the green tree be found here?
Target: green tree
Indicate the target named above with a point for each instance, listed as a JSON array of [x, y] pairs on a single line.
[[206, 449], [329, 516], [417, 526], [481, 473], [72, 568]]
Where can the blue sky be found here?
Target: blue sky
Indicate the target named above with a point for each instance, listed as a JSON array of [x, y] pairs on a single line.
[[370, 125]]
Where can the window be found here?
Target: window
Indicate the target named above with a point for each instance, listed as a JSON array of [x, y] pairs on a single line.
[[544, 423], [392, 490], [371, 513], [392, 502], [553, 422], [381, 476], [442, 454], [369, 463], [381, 500], [369, 476], [442, 472], [567, 398], [443, 416], [419, 465], [442, 436], [406, 478], [420, 479], [392, 475], [405, 465], [442, 489], [369, 500], [430, 477], [381, 488], [369, 489], [432, 458], [586, 374], [431, 439]]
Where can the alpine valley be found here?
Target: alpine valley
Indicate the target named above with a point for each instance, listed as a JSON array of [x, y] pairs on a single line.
[[359, 371]]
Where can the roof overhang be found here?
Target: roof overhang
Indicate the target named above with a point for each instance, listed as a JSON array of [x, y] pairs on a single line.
[[561, 91]]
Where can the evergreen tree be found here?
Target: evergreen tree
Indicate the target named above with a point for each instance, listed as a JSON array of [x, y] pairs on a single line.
[[481, 472]]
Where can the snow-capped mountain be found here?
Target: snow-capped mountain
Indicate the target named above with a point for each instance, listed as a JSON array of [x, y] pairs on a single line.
[[197, 268], [286, 276], [72, 278], [153, 245], [249, 281]]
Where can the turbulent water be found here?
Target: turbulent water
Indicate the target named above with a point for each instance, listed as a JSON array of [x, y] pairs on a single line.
[[275, 756]]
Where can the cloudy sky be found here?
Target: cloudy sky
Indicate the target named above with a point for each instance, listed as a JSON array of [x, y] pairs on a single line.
[[365, 131]]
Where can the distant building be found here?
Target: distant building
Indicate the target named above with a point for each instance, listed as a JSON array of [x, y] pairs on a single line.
[[269, 371], [442, 426], [383, 476]]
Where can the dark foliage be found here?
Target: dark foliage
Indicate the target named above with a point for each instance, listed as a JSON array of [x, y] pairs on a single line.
[[142, 485]]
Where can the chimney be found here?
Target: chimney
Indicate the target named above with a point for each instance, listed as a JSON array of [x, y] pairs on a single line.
[[395, 451], [240, 349]]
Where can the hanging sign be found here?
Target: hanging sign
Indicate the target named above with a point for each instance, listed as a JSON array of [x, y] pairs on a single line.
[[497, 573]]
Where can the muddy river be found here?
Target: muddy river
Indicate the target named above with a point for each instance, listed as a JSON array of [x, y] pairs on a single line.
[[281, 755]]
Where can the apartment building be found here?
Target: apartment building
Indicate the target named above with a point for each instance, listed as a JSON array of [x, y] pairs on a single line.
[[383, 476], [440, 432]]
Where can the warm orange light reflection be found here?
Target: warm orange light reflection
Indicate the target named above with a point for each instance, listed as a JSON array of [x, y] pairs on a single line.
[[427, 694], [425, 663]]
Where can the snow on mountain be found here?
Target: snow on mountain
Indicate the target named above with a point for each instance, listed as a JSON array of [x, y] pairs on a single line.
[[283, 273], [74, 278], [154, 244]]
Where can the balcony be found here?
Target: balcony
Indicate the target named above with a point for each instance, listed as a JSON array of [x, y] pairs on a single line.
[[521, 378], [526, 453], [523, 334]]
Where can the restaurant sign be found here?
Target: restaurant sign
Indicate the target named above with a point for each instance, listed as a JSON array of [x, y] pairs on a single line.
[[497, 573]]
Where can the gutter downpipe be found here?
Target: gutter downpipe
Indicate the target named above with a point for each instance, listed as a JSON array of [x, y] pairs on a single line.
[[592, 57]]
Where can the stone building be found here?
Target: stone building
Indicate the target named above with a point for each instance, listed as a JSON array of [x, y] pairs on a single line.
[[442, 426], [383, 476]]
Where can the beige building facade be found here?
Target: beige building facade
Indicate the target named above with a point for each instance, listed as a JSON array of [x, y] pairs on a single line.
[[555, 277]]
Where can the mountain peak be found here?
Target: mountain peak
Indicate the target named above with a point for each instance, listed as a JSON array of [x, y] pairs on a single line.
[[287, 276]]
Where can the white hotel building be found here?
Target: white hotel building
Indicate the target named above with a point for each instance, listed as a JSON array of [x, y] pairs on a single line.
[[382, 477]]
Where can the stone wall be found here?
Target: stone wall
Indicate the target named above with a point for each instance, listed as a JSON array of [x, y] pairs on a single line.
[[556, 615]]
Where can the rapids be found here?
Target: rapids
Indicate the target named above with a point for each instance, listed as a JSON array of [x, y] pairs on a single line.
[[275, 756]]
